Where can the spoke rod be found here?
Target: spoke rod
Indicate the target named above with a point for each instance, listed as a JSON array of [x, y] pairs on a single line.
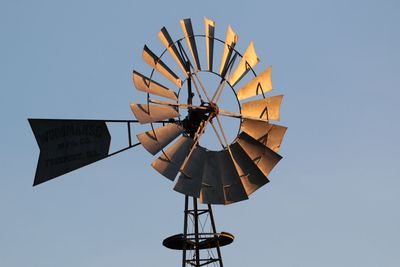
[[197, 90], [226, 142], [196, 139], [222, 131], [217, 134], [220, 112], [220, 92], [223, 82], [216, 91], [194, 71], [202, 86], [239, 116], [186, 106]]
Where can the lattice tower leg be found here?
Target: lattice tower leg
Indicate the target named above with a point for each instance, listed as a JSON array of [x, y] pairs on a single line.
[[200, 242], [198, 219]]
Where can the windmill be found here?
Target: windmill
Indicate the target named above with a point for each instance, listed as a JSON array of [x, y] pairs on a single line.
[[180, 121]]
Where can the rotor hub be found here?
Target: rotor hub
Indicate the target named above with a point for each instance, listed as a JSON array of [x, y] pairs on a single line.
[[212, 109], [197, 116]]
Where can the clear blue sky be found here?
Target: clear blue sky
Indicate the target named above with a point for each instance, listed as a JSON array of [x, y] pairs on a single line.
[[332, 201]]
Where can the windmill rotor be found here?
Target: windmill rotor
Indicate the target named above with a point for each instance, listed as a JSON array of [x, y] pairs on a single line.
[[240, 167], [183, 111]]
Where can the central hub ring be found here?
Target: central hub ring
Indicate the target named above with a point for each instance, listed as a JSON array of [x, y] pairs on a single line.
[[205, 107], [212, 109]]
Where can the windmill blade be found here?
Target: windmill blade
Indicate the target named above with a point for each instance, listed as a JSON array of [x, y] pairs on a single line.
[[155, 62], [211, 188], [166, 40], [262, 156], [275, 137], [169, 162], [151, 113], [267, 108], [230, 42], [221, 182], [67, 145], [256, 129], [251, 176], [269, 134], [155, 140], [248, 61], [232, 185], [260, 84], [144, 84], [187, 29], [189, 182], [209, 26]]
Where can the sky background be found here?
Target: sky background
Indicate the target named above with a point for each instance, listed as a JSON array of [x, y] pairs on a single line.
[[334, 198]]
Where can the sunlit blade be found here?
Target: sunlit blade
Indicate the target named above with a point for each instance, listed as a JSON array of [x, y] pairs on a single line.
[[189, 182], [230, 42], [269, 134], [232, 185], [275, 137], [142, 83], [211, 189], [256, 129], [258, 85], [262, 156], [171, 47], [209, 30], [150, 113], [267, 108], [155, 62], [251, 176], [187, 29], [155, 140], [168, 164], [248, 61]]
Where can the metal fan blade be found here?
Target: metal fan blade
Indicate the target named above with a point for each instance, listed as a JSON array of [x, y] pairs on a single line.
[[267, 108], [262, 156], [256, 129], [275, 137], [209, 30], [151, 113], [155, 62], [221, 182], [248, 61], [189, 182], [155, 140], [232, 185], [269, 134], [166, 40], [142, 83], [230, 42], [168, 163], [211, 188], [251, 176], [258, 85], [187, 29]]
